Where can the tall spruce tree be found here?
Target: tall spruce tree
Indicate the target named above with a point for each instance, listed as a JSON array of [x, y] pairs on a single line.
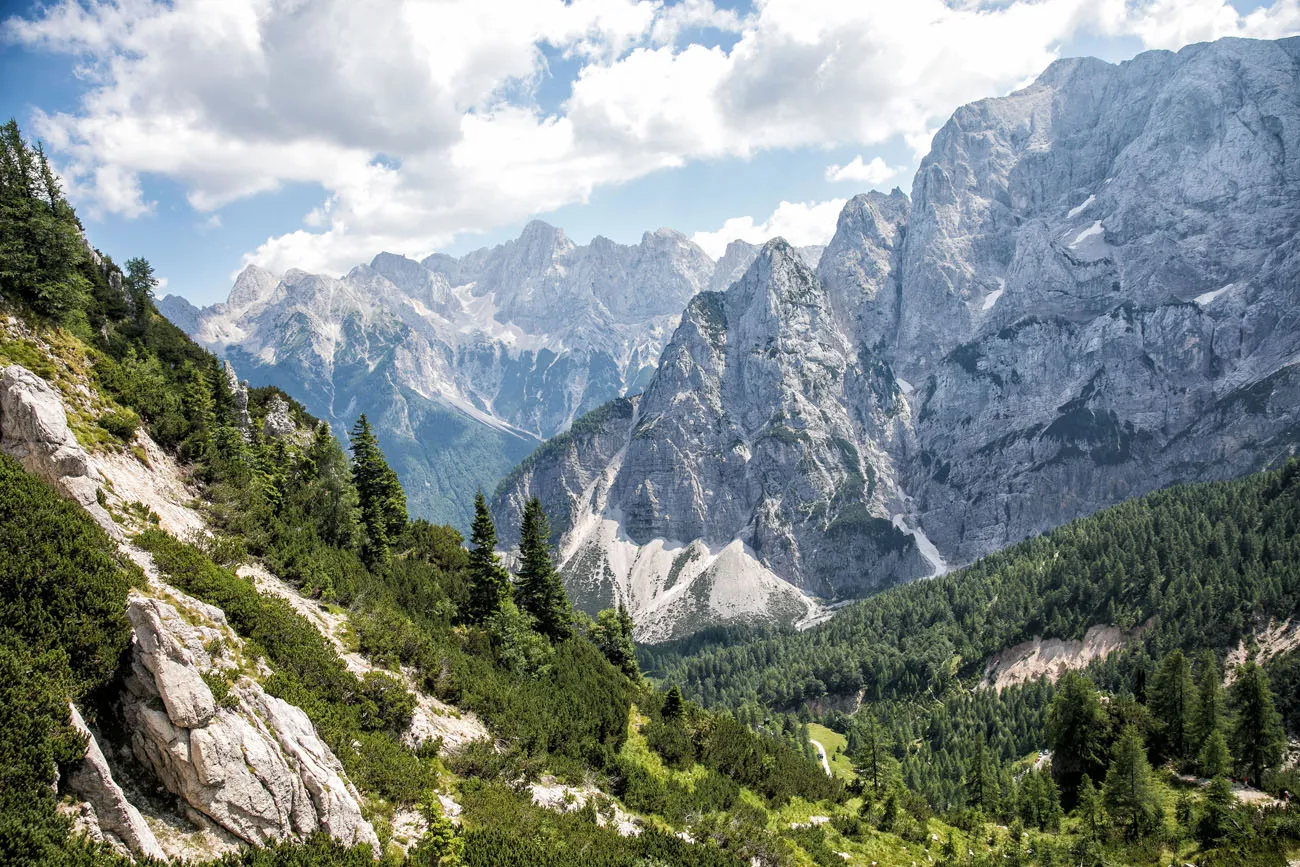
[[1172, 703], [1076, 731], [540, 590], [868, 747], [489, 582], [674, 707], [1131, 794], [41, 248], [1209, 715], [1258, 738], [612, 633], [982, 779], [382, 500]]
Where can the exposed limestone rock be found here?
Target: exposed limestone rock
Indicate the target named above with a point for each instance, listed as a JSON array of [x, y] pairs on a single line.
[[256, 767], [1091, 294], [34, 430], [93, 780], [1053, 657], [278, 422], [239, 390]]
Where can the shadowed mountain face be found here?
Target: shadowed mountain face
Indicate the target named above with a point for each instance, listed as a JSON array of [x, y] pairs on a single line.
[[464, 365], [1093, 292]]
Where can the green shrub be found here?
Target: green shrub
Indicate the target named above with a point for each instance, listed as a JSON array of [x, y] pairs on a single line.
[[120, 424]]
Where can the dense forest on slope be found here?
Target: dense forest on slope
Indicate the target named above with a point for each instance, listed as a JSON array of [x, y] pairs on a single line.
[[1196, 566], [1192, 571]]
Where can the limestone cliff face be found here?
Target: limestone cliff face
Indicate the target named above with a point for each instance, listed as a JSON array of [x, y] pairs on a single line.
[[1094, 291]]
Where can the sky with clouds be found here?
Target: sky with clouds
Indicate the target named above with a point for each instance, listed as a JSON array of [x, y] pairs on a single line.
[[208, 134]]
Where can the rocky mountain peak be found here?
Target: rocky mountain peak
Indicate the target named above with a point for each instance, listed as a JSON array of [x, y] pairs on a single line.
[[253, 284]]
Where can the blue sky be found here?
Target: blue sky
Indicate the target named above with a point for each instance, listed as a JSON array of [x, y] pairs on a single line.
[[207, 134]]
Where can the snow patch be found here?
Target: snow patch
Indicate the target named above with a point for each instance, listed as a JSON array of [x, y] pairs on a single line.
[[1207, 298], [904, 386], [992, 298], [1076, 211], [1094, 229]]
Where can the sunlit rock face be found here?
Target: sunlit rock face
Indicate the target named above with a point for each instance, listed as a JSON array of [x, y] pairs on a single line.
[[1094, 291]]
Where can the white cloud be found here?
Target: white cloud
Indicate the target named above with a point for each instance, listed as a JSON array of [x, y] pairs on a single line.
[[873, 173], [418, 118], [800, 223]]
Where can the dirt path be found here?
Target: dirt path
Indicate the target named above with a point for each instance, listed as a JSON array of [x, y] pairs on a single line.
[[821, 751]]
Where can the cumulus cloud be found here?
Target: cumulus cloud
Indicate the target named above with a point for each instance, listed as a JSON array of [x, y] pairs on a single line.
[[418, 119], [873, 173], [800, 223]]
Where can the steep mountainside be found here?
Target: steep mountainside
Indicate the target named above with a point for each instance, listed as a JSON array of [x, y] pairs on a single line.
[[463, 365], [1093, 293]]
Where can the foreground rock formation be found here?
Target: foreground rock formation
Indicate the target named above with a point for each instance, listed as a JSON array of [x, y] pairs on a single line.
[[246, 762]]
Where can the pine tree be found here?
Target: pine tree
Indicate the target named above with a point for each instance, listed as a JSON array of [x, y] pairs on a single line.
[[981, 780], [1173, 706], [1091, 810], [674, 707], [41, 248], [1130, 791], [383, 502], [1076, 732], [540, 590], [612, 633], [489, 583], [1209, 715], [139, 284], [1214, 759], [1258, 738], [869, 749]]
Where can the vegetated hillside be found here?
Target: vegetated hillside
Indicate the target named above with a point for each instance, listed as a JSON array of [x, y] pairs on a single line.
[[283, 595], [1201, 566], [1207, 572]]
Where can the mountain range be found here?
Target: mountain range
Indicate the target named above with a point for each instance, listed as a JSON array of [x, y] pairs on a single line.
[[464, 365], [1091, 293]]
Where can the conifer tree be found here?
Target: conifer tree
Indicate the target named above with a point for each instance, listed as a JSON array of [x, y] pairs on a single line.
[[489, 583], [41, 247], [1131, 795], [1214, 760], [1209, 714], [540, 590], [981, 779], [1173, 706], [869, 749], [1076, 732], [1257, 735], [674, 707], [612, 633], [383, 502], [1091, 809]]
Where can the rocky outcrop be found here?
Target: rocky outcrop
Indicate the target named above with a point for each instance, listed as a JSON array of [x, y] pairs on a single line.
[[250, 763], [1093, 292], [749, 477], [92, 780], [239, 392], [278, 423], [34, 430]]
